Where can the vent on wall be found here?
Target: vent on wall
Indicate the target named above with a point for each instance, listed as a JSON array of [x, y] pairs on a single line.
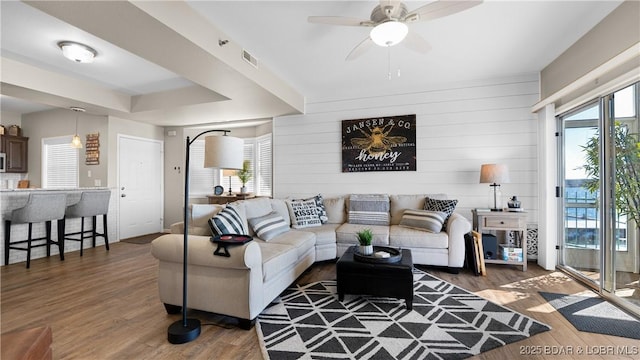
[[249, 58]]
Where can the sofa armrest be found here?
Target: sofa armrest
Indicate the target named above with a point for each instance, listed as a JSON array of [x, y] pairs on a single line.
[[457, 227], [200, 252], [177, 228]]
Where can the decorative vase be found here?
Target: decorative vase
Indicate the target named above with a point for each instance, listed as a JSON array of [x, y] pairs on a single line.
[[514, 203], [243, 190], [365, 249]]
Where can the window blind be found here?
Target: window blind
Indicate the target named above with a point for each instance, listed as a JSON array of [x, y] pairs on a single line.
[[60, 166], [202, 180], [264, 169]]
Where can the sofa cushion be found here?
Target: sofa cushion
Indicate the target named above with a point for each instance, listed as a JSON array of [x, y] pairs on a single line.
[[403, 237], [227, 221], [335, 208], [325, 234], [280, 206], [347, 233], [257, 207], [303, 213], [446, 206], [301, 241], [276, 258], [201, 213], [424, 220], [268, 226], [399, 203], [369, 209]]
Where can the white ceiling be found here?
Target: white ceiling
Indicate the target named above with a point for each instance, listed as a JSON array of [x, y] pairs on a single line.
[[494, 39]]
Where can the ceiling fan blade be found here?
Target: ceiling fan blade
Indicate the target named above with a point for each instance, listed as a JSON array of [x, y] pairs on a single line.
[[339, 20], [416, 43], [360, 49], [439, 9]]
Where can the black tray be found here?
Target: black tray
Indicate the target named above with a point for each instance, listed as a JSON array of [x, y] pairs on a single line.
[[396, 255], [225, 240]]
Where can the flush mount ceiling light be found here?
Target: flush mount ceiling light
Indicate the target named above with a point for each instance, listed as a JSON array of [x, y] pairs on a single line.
[[389, 33], [77, 52]]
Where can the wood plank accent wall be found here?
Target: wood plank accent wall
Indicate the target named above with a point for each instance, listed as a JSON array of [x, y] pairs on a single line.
[[459, 127]]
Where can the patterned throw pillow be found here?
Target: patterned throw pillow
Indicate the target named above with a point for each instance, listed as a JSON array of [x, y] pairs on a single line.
[[424, 220], [269, 226], [303, 213], [228, 221], [446, 206], [369, 209], [322, 212]]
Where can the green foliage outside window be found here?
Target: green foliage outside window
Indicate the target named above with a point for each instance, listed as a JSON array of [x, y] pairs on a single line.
[[627, 170]]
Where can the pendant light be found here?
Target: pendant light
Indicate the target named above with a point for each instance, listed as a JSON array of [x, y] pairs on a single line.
[[76, 143]]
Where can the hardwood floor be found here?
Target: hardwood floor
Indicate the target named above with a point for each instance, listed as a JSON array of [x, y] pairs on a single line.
[[105, 306]]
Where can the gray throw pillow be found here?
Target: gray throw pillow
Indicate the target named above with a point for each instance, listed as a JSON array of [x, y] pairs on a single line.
[[269, 226], [424, 220]]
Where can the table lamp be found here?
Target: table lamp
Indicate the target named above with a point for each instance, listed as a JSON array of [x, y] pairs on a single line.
[[495, 174], [229, 173]]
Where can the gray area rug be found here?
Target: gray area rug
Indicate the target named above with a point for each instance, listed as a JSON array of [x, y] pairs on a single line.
[[447, 322], [595, 315]]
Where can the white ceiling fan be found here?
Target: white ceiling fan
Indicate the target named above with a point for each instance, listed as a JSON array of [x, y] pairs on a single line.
[[389, 23]]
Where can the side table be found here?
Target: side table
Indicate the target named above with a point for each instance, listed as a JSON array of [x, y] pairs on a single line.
[[486, 220]]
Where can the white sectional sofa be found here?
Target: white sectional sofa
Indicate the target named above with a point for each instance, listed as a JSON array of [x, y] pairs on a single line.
[[243, 284]]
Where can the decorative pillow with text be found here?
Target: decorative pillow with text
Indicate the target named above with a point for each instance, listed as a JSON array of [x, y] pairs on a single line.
[[303, 213]]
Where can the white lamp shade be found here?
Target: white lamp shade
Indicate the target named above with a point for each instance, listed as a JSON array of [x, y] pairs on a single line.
[[224, 152], [494, 174], [389, 33]]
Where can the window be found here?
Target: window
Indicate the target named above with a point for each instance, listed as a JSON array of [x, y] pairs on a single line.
[[256, 150], [60, 163], [202, 179], [264, 168]]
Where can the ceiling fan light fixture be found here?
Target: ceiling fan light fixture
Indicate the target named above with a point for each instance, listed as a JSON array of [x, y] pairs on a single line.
[[389, 33], [77, 52]]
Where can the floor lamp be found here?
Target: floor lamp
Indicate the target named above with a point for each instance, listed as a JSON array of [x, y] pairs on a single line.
[[224, 152], [495, 174]]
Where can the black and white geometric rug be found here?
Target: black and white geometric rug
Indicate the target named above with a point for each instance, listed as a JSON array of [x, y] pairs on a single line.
[[447, 322]]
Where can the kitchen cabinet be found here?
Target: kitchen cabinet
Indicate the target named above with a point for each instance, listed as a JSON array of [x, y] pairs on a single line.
[[16, 150]]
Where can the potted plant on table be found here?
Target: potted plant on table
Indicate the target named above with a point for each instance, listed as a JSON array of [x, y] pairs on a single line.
[[364, 238], [244, 175]]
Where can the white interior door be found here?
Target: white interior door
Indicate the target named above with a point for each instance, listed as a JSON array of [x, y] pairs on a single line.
[[140, 174]]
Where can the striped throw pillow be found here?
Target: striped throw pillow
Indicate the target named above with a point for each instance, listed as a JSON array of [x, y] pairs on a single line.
[[269, 226], [424, 220], [369, 209], [227, 221], [446, 206]]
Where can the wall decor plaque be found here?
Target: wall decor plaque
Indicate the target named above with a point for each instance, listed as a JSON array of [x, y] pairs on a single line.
[[379, 144], [92, 149]]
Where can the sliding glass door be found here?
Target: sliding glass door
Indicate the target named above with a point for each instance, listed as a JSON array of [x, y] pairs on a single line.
[[600, 159]]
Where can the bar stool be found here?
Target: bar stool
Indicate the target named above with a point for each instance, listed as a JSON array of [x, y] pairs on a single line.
[[40, 207], [91, 204]]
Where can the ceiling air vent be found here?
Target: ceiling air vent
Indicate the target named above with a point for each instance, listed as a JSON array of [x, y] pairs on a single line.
[[249, 58]]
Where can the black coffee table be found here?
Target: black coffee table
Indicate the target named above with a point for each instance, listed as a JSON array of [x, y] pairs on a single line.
[[377, 279]]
